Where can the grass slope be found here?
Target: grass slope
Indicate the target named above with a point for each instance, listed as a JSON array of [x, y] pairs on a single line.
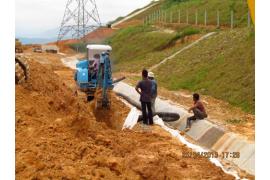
[[140, 47], [172, 7], [222, 66]]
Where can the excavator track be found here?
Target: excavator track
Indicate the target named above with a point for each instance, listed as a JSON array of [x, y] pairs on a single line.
[[22, 73]]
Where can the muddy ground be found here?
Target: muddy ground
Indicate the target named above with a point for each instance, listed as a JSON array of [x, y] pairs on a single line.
[[60, 136]]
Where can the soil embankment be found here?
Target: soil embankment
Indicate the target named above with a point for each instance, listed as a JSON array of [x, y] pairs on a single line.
[[58, 136]]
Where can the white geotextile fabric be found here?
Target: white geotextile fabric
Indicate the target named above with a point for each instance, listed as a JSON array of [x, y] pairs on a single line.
[[132, 119]]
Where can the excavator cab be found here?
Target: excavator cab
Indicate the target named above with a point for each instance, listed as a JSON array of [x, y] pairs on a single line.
[[94, 76]]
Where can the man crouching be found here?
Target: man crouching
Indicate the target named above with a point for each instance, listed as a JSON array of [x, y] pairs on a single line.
[[198, 111]]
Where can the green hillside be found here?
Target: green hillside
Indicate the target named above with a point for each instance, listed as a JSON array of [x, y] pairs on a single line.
[[222, 66], [144, 46], [170, 8]]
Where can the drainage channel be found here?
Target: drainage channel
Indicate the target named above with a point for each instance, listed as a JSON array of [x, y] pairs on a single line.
[[132, 119], [70, 62]]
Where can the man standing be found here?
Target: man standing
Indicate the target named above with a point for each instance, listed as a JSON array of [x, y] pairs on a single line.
[[144, 89], [151, 76], [198, 111]]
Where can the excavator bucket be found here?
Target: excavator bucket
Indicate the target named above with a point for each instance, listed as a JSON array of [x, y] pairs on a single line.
[[102, 102]]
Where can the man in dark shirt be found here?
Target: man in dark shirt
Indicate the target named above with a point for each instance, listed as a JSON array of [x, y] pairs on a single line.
[[198, 110], [144, 88]]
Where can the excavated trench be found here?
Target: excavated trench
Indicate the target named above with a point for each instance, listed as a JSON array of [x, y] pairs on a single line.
[[131, 121], [58, 136], [112, 114]]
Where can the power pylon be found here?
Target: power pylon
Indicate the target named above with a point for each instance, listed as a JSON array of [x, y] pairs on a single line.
[[81, 17]]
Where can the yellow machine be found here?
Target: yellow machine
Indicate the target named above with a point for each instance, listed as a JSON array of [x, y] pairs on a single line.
[[251, 5], [18, 46], [22, 72]]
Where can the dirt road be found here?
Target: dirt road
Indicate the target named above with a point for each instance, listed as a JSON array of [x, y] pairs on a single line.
[[59, 136]]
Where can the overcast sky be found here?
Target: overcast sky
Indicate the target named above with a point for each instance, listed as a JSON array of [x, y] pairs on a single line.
[[37, 16]]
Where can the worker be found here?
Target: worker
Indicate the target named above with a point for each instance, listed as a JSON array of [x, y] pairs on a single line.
[[198, 111], [144, 89], [95, 65], [151, 76], [101, 64]]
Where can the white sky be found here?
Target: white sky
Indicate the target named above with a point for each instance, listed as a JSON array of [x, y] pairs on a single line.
[[37, 16]]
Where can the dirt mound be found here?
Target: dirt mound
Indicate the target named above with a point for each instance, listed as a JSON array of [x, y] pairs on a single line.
[[59, 137], [99, 35], [63, 45]]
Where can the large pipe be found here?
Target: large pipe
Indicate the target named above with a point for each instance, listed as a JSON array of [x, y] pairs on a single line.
[[118, 80], [166, 116]]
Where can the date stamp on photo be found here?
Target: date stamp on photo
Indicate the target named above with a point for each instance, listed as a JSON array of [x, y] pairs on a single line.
[[222, 155]]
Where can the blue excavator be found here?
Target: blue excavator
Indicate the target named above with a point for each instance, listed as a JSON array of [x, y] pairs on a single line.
[[94, 75]]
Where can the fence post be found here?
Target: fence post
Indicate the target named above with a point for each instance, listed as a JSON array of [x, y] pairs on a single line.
[[162, 16], [218, 23], [232, 20], [187, 16], [166, 17], [205, 17], [156, 16], [144, 22], [196, 17], [159, 16], [248, 18], [179, 16]]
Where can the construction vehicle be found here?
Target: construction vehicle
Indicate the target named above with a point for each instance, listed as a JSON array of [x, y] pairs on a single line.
[[18, 46], [22, 72], [37, 49], [251, 5], [96, 84]]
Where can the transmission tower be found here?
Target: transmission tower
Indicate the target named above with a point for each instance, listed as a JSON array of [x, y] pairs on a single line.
[[81, 17]]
